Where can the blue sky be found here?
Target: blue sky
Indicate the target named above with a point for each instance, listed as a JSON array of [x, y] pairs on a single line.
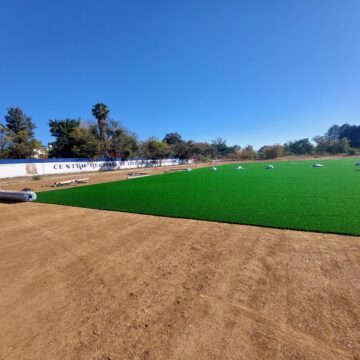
[[254, 72]]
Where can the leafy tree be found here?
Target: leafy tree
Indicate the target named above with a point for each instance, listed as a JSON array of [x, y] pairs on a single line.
[[271, 151], [173, 138], [19, 131], [120, 142], [248, 153], [61, 130], [183, 150], [351, 132], [84, 142], [333, 133], [101, 112], [321, 144], [153, 148], [202, 151], [74, 138], [129, 146], [325, 145], [4, 142], [220, 148], [344, 145], [299, 147]]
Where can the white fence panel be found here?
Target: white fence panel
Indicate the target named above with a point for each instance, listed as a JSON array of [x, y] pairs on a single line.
[[66, 166]]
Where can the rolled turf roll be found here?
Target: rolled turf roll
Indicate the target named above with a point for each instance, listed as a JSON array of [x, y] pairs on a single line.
[[17, 195]]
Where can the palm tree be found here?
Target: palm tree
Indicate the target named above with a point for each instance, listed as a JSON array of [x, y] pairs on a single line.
[[101, 112]]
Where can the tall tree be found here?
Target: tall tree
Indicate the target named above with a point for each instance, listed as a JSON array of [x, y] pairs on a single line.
[[120, 142], [324, 145], [61, 130], [351, 132], [85, 142], [219, 147], [20, 134], [203, 150], [182, 150], [155, 149], [334, 132], [271, 151], [172, 138], [299, 147], [101, 112], [4, 142]]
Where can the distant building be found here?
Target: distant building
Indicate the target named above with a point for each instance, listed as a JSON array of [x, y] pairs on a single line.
[[41, 153]]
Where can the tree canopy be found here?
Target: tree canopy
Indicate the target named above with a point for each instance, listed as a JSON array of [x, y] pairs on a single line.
[[17, 140], [101, 112], [107, 137]]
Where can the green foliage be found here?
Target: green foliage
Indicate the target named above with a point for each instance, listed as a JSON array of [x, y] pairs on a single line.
[[220, 149], [84, 142], [17, 140], [351, 132], [101, 112], [352, 151], [202, 151], [299, 147], [153, 148], [182, 150], [326, 145], [173, 138], [120, 142], [74, 138], [293, 195], [271, 152], [61, 130], [343, 145], [4, 142]]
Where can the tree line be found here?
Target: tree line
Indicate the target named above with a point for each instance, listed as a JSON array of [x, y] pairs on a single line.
[[106, 137]]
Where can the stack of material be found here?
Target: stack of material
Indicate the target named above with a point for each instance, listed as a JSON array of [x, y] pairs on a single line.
[[137, 174], [177, 169], [23, 196], [69, 182]]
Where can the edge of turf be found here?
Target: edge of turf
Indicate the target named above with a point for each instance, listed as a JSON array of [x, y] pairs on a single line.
[[170, 173], [197, 218], [208, 220]]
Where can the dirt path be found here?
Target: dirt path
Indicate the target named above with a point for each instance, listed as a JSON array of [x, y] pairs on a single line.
[[45, 182], [88, 284]]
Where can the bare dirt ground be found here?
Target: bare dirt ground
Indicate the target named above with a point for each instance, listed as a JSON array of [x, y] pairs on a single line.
[[88, 284]]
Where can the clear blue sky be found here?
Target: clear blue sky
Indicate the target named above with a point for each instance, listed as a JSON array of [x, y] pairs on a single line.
[[254, 71]]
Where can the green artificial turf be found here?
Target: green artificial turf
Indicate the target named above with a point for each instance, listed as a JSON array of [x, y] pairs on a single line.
[[293, 195]]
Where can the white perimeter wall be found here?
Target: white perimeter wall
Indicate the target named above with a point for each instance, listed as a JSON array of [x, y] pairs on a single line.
[[65, 167]]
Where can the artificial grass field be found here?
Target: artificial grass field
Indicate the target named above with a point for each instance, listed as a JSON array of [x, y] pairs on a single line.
[[293, 195]]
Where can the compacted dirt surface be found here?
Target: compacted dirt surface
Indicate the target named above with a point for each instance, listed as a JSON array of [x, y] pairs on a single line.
[[87, 284], [45, 183]]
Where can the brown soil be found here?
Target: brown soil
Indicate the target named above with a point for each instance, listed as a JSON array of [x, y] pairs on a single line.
[[45, 183], [88, 284]]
